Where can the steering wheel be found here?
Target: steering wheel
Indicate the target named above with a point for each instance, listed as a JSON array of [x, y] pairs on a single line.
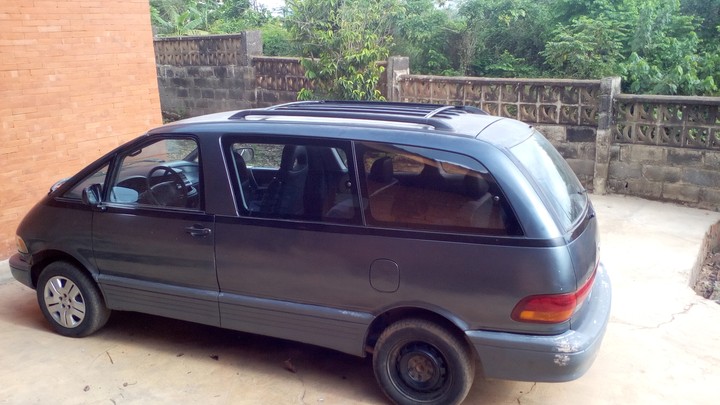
[[170, 190]]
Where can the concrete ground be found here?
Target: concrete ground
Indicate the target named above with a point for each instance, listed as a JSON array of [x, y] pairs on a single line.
[[662, 345]]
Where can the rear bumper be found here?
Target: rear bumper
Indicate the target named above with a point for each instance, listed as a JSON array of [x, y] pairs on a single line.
[[554, 358], [20, 270]]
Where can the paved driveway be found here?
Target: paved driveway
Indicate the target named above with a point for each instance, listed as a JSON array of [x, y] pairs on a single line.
[[662, 345]]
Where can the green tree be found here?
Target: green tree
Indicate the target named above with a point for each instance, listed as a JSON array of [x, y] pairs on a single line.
[[664, 56], [587, 48], [239, 15], [178, 17], [504, 37], [342, 41], [428, 35], [277, 40], [650, 43]]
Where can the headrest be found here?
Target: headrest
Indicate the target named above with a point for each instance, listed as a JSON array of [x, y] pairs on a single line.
[[240, 165], [430, 175], [294, 157], [382, 170]]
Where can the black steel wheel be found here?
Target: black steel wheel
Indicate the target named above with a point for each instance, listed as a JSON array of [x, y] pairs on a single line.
[[418, 362], [70, 300]]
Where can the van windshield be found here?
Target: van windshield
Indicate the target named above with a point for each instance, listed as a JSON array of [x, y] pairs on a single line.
[[555, 178]]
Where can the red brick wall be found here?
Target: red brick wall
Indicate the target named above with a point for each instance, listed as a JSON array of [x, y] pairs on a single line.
[[77, 78]]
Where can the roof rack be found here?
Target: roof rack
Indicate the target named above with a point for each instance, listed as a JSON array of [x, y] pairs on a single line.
[[422, 114]]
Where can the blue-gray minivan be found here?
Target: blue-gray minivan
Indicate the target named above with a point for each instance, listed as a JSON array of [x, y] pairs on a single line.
[[437, 239]]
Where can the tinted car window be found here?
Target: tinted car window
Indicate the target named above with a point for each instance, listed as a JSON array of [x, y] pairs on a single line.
[[427, 189], [98, 177], [158, 175], [554, 177], [294, 181]]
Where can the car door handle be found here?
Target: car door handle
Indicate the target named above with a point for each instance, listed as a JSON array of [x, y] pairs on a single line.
[[198, 230]]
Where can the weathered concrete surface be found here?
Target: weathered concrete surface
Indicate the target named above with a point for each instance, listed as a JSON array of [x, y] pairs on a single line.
[[662, 346]]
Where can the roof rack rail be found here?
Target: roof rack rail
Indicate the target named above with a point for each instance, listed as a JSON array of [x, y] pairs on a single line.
[[385, 105], [410, 113], [432, 122]]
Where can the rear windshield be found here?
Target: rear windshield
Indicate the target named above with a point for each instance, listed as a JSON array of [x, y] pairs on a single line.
[[555, 178]]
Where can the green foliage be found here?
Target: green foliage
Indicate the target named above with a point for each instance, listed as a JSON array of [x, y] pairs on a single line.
[[425, 33], [277, 40], [516, 29], [587, 48], [507, 65], [239, 15], [656, 46], [202, 17], [665, 57], [178, 17], [342, 41]]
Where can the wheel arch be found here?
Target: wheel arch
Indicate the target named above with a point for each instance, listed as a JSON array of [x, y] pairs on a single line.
[[42, 259], [454, 325]]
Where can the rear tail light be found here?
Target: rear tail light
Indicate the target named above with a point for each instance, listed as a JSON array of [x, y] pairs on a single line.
[[552, 308]]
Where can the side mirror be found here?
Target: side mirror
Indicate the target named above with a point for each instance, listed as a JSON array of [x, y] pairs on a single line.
[[248, 154], [91, 195]]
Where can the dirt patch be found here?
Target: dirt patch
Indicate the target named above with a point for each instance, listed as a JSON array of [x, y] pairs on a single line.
[[707, 284], [705, 275]]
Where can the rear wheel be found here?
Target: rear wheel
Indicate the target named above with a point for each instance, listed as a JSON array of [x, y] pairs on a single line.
[[419, 362], [70, 300]]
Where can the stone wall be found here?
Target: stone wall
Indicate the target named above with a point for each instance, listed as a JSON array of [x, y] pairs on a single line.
[[278, 80], [665, 148], [197, 90], [204, 74], [201, 75]]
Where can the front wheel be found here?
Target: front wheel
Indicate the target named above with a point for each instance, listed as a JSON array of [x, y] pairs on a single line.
[[419, 362], [70, 300]]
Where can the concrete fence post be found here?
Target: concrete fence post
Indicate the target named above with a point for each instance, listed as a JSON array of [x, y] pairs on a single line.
[[396, 67], [252, 45], [609, 88]]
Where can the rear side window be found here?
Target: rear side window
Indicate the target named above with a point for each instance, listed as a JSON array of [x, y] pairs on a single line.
[[306, 181], [427, 189], [555, 178]]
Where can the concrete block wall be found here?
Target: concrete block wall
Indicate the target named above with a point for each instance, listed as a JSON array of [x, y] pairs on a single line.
[[77, 78], [196, 90], [688, 176]]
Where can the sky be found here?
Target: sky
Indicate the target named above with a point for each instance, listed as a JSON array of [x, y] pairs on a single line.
[[271, 4]]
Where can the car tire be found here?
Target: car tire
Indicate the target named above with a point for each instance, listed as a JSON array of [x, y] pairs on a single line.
[[70, 300], [419, 362]]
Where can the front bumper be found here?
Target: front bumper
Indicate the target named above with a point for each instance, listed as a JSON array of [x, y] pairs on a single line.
[[556, 358], [20, 270]]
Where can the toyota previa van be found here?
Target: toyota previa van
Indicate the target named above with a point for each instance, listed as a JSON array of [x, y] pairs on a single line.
[[439, 240]]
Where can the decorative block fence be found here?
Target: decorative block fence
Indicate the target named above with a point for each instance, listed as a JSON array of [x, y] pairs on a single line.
[[659, 147], [667, 148]]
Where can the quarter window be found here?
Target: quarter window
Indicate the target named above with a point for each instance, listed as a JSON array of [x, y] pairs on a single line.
[[98, 177], [427, 189]]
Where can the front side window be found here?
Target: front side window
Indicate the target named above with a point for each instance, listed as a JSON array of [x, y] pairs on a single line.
[[427, 189], [165, 173], [307, 181]]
